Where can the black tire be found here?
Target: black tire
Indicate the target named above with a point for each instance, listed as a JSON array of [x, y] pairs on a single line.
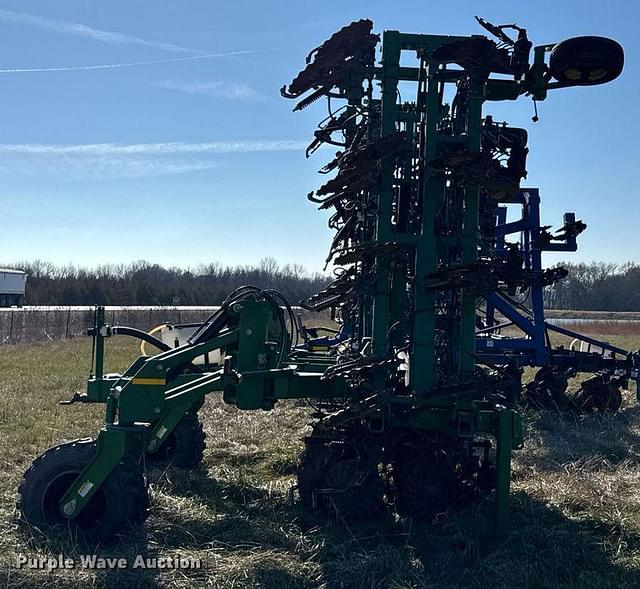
[[121, 501], [586, 61], [184, 446]]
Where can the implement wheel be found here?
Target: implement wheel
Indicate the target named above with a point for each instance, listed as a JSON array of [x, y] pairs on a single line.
[[184, 446], [586, 61], [120, 502]]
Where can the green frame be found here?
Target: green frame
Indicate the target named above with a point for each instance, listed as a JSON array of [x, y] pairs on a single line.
[[143, 407]]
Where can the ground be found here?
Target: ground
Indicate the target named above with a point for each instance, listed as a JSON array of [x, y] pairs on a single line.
[[575, 512]]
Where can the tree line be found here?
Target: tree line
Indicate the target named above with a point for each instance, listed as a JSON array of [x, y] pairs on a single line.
[[144, 283], [598, 286]]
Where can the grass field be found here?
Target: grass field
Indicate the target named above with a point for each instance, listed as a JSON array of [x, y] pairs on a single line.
[[575, 515]]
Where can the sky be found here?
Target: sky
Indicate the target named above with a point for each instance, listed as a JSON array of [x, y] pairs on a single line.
[[155, 130]]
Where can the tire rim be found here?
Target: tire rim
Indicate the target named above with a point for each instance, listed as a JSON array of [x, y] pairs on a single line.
[[93, 512]]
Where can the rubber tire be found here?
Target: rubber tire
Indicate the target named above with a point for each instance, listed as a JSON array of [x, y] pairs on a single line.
[[121, 501], [184, 447], [583, 55]]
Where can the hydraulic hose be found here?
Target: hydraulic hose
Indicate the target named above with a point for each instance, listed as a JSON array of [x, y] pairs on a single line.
[[220, 318], [141, 335]]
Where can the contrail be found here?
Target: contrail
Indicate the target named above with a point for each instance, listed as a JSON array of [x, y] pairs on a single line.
[[108, 66], [151, 149], [78, 29]]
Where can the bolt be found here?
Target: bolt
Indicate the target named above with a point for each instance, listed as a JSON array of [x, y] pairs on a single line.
[[248, 331], [69, 508], [159, 367], [157, 410]]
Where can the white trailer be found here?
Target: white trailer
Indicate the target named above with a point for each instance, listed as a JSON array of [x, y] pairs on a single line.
[[12, 287]]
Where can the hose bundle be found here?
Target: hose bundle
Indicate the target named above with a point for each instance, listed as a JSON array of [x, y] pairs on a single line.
[[281, 308]]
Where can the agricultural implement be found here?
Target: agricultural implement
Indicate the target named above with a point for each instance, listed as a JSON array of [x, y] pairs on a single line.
[[528, 343], [413, 410]]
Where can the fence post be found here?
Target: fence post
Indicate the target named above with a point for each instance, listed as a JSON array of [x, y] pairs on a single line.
[[11, 328], [66, 330]]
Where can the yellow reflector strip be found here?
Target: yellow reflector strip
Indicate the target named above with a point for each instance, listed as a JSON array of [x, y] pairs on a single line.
[[149, 381]]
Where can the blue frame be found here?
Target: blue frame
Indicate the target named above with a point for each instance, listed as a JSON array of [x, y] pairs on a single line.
[[534, 347]]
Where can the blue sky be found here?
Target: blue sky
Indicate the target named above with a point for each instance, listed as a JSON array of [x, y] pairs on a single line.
[[191, 155]]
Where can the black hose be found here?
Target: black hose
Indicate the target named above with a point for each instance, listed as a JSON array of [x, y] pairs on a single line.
[[220, 318], [139, 334]]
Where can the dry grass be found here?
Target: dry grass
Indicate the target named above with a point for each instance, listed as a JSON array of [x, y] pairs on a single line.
[[576, 504], [598, 327], [592, 315]]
